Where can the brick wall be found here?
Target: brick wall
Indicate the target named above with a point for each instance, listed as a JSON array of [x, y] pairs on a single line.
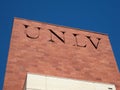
[[43, 49]]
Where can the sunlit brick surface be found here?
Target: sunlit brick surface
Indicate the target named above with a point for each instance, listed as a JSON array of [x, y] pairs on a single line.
[[30, 53]]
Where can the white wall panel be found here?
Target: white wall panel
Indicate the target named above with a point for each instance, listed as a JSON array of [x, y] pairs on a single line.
[[36, 82], [40, 82]]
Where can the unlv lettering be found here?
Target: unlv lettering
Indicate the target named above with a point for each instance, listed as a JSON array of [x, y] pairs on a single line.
[[62, 37]]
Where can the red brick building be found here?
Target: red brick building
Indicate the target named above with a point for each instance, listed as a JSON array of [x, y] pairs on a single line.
[[59, 51]]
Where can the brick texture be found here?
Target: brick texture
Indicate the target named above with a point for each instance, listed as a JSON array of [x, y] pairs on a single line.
[[30, 53]]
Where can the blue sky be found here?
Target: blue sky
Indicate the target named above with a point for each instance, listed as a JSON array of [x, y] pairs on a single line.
[[94, 15]]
